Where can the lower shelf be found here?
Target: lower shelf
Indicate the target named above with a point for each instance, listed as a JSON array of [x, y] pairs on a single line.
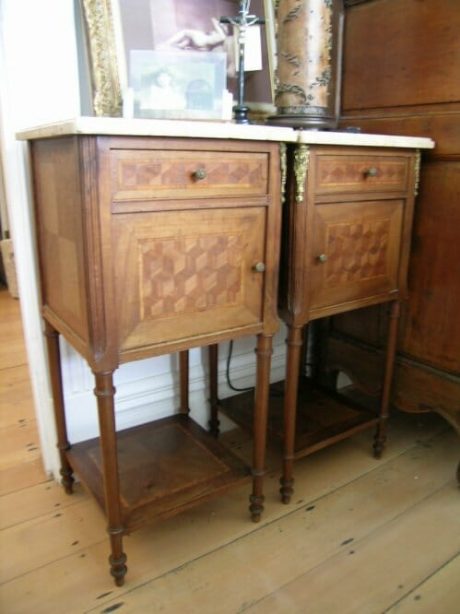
[[322, 418], [164, 466]]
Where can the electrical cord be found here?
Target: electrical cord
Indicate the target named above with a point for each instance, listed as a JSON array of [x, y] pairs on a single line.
[[227, 371]]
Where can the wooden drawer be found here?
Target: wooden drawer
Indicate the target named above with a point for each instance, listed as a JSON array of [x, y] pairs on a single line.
[[174, 174], [361, 173]]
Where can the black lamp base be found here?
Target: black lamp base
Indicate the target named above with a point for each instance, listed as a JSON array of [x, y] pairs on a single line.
[[303, 122], [240, 114]]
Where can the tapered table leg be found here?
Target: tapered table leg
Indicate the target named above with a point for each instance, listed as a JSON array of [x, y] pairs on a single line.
[[54, 360], [264, 353], [213, 390], [380, 434], [184, 382], [294, 350], [105, 393]]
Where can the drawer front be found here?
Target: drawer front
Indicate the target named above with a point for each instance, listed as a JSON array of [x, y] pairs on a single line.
[[175, 174], [355, 251], [358, 173]]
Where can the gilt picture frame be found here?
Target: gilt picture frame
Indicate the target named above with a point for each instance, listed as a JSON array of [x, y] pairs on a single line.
[[113, 32]]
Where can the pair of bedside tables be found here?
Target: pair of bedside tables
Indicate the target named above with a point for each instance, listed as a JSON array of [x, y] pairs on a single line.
[[160, 236]]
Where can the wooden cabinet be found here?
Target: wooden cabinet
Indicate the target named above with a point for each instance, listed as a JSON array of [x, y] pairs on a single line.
[[150, 242], [346, 230], [411, 87], [345, 245], [148, 246], [156, 244]]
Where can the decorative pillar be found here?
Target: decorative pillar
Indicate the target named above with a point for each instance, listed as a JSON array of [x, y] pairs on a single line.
[[309, 42]]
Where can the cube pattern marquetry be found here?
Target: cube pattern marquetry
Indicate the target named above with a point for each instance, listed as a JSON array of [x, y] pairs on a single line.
[[357, 251], [170, 174], [189, 273], [361, 174]]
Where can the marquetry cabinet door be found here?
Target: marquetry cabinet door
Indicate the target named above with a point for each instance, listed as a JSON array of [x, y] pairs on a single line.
[[354, 251], [185, 274]]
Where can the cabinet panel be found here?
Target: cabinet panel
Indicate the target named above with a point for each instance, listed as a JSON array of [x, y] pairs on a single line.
[[382, 85], [180, 274], [58, 198], [355, 251], [418, 67], [431, 330]]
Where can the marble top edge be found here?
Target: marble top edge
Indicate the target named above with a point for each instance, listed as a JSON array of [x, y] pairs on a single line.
[[207, 129], [115, 126], [363, 139]]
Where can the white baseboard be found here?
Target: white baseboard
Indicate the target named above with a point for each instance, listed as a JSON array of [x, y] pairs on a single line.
[[153, 394]]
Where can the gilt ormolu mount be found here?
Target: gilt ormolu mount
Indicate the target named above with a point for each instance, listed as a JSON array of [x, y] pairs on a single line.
[[309, 63]]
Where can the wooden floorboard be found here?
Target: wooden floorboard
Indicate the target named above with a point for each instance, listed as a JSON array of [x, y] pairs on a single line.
[[370, 572], [16, 405], [438, 593], [12, 349], [361, 535], [306, 536]]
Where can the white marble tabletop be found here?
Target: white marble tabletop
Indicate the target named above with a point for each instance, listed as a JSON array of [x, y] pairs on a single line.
[[361, 139], [115, 126]]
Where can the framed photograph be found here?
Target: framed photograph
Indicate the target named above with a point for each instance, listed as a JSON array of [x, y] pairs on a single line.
[[173, 85], [116, 28]]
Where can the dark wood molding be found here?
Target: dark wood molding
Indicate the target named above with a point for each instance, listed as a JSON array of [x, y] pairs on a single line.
[[349, 3]]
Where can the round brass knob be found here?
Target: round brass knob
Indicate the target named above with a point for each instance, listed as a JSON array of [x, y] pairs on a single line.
[[259, 267], [371, 172], [322, 258], [199, 174]]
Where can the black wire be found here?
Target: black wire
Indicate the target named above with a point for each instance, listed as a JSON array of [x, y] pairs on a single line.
[[273, 392], [227, 371]]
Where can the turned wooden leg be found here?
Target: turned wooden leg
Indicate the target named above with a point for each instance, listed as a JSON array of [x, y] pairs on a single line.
[[213, 392], [294, 348], [264, 353], [380, 434], [184, 382], [105, 393], [54, 360]]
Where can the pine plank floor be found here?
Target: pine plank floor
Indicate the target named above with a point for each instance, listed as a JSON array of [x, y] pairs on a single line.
[[361, 535]]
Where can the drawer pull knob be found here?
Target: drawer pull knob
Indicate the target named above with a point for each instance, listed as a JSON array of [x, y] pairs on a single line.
[[371, 172], [199, 174], [322, 258], [259, 267]]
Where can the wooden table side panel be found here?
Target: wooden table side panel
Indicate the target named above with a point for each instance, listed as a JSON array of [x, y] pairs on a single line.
[[59, 204]]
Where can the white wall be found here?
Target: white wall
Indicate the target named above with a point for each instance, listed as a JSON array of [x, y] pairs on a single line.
[[39, 82]]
